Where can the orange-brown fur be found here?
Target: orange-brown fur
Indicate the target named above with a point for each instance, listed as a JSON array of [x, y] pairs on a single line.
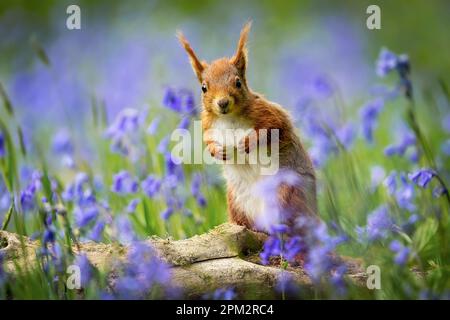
[[220, 80]]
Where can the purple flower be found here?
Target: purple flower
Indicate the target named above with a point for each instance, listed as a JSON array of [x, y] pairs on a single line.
[[124, 183], [422, 177], [318, 262], [62, 143], [286, 284], [337, 279], [27, 195], [124, 230], [96, 232], [195, 189], [79, 190], [405, 194], [184, 123], [2, 145], [179, 100], [346, 135], [272, 247], [377, 175], [167, 213], [122, 132], [84, 216], [391, 182], [86, 269], [151, 186], [132, 205], [163, 146], [369, 115], [49, 236], [401, 252], [128, 120], [267, 190], [153, 127], [387, 61], [323, 86], [143, 272], [222, 294], [400, 148], [379, 223]]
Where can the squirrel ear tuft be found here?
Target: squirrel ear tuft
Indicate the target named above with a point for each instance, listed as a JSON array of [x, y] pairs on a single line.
[[240, 58], [196, 64]]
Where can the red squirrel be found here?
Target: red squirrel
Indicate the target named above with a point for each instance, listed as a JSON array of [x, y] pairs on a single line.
[[229, 103]]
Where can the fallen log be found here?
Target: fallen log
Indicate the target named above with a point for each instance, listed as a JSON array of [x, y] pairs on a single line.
[[226, 256]]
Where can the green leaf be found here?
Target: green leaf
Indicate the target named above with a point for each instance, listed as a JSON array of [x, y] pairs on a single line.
[[425, 233]]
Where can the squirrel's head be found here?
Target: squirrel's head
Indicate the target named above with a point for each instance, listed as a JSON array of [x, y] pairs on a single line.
[[223, 82]]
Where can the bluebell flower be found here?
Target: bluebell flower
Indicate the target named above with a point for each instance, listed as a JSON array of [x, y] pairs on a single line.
[[346, 135], [222, 294], [195, 189], [151, 186], [2, 145], [271, 247], [323, 86], [391, 182], [401, 252], [49, 236], [408, 140], [132, 205], [78, 190], [167, 213], [62, 143], [153, 126], [163, 146], [387, 61], [122, 132], [184, 123], [267, 190], [179, 100], [377, 175], [142, 272], [318, 262], [124, 183], [439, 191], [369, 114], [84, 216], [337, 279], [86, 269], [422, 177], [128, 120], [379, 223], [286, 284], [97, 231], [405, 194], [124, 230], [27, 195]]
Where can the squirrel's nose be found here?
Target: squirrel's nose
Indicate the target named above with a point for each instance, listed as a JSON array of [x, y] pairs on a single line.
[[223, 103]]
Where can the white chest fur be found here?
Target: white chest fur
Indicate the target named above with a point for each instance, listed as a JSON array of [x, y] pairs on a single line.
[[241, 177]]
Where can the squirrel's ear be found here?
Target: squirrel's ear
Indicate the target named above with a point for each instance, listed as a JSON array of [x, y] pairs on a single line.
[[196, 64], [240, 58]]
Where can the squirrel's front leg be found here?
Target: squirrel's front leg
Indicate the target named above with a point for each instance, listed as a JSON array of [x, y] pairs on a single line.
[[250, 142], [217, 150]]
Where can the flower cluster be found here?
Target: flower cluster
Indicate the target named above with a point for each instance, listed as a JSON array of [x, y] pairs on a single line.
[[142, 274]]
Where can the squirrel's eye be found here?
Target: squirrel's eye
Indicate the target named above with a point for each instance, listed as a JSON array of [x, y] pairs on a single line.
[[238, 83], [204, 89]]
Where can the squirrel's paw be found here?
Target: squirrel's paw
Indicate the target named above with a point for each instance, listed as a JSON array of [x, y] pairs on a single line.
[[247, 144], [219, 152]]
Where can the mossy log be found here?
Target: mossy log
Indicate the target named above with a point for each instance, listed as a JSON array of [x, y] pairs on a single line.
[[226, 256]]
